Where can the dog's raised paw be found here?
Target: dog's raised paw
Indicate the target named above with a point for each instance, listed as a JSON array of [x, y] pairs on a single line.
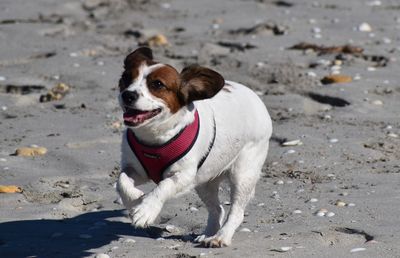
[[215, 242], [145, 213]]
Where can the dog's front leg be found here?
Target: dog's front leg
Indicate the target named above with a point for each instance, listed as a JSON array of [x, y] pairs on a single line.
[[130, 195], [147, 211]]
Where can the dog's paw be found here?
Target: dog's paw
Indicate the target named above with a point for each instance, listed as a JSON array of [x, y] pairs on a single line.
[[145, 213], [216, 241]]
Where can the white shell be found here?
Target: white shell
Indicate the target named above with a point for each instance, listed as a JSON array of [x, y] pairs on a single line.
[[364, 27], [330, 214], [358, 249], [292, 143]]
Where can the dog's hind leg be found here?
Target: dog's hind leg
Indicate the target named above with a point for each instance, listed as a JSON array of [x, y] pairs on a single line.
[[243, 177], [208, 193]]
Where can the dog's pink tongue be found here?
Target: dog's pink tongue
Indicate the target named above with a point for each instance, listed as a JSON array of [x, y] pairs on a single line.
[[135, 118]]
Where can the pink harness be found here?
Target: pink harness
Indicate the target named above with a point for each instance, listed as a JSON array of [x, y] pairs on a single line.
[[156, 159]]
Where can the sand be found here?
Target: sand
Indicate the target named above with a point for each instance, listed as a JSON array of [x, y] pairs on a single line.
[[349, 130]]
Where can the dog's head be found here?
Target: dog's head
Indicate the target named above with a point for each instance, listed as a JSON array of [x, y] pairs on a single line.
[[151, 91]]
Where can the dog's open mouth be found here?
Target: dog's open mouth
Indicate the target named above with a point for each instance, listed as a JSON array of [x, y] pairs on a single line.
[[134, 117]]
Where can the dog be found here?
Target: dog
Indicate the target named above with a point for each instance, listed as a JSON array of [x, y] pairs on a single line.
[[186, 131]]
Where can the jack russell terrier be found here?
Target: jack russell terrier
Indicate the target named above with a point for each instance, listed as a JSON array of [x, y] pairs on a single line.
[[189, 130]]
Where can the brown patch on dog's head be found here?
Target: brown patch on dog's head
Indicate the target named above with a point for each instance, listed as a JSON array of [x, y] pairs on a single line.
[[132, 64], [164, 83], [177, 90]]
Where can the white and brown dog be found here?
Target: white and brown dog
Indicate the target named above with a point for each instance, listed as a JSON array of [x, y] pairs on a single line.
[[189, 130]]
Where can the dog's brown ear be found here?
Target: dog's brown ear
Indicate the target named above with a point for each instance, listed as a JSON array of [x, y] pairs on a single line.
[[139, 55], [198, 83]]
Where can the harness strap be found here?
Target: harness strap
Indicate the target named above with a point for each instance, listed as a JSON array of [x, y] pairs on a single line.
[[210, 146]]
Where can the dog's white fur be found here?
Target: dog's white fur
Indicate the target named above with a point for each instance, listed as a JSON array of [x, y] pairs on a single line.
[[243, 129]]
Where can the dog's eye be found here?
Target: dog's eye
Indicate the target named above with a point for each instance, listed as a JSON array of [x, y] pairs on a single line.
[[157, 85]]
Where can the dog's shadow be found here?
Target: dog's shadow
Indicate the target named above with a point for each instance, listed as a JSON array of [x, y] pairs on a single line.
[[72, 237]]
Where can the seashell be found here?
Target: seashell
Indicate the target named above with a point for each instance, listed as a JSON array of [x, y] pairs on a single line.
[[10, 189], [30, 151], [330, 214], [340, 203], [358, 249], [336, 78], [364, 27], [158, 40], [292, 143]]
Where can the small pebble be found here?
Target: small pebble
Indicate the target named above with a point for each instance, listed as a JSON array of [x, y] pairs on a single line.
[[330, 214], [371, 69], [227, 203], [374, 3], [286, 248], [261, 204], [297, 212], [160, 239], [337, 62], [386, 40], [2, 78], [313, 200], [311, 74], [290, 151], [364, 27], [3, 160], [130, 241], [166, 5], [351, 204], [193, 209], [292, 143], [320, 214], [393, 135], [245, 230], [358, 249], [316, 30], [344, 194], [340, 203], [4, 108], [279, 182], [377, 102], [333, 140], [102, 256]]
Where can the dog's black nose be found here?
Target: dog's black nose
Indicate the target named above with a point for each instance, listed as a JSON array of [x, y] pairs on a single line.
[[129, 97]]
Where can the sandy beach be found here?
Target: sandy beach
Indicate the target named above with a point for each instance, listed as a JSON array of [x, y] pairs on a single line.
[[328, 72]]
